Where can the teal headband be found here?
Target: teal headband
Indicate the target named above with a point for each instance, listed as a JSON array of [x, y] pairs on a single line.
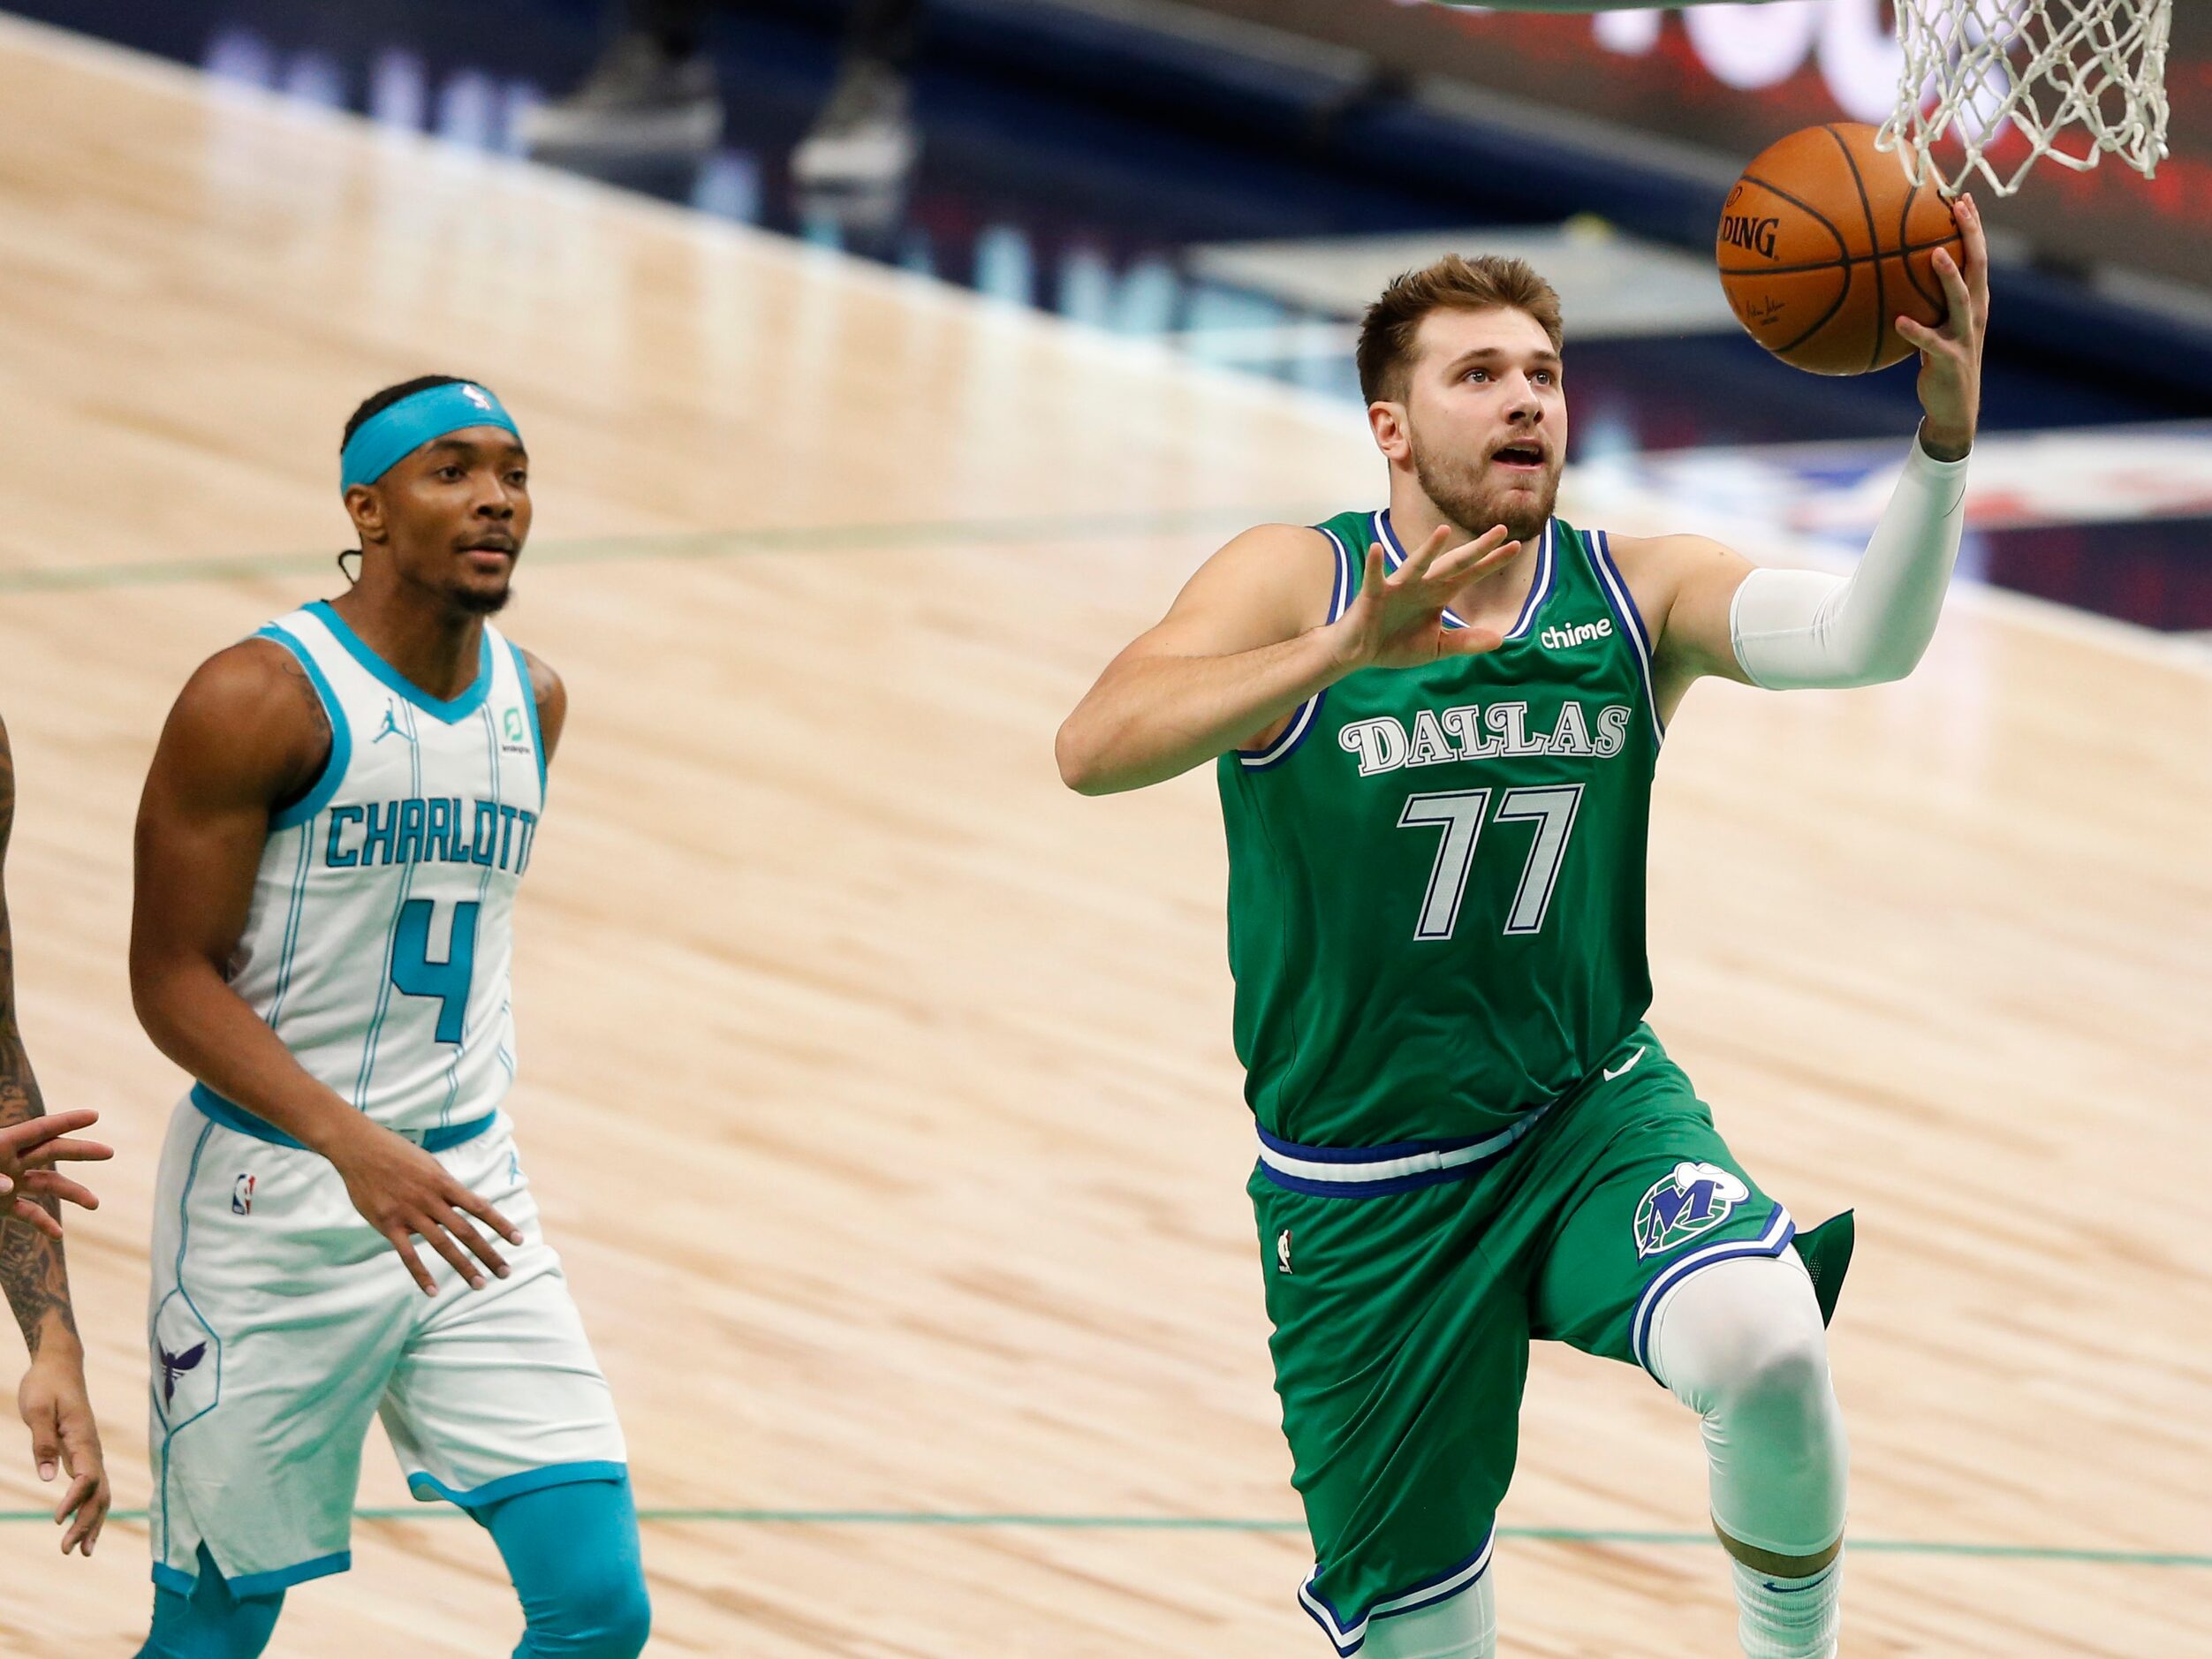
[[390, 435]]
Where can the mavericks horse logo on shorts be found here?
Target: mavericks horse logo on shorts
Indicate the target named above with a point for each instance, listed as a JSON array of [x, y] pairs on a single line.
[[1695, 1199]]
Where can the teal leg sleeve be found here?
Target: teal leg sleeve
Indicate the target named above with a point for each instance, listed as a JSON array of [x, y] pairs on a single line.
[[211, 1623], [573, 1552]]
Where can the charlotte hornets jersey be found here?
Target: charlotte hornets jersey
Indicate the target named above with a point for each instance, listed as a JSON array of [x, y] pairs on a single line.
[[379, 940], [1436, 873]]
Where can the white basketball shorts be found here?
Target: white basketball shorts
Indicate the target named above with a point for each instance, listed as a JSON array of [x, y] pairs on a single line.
[[280, 1321]]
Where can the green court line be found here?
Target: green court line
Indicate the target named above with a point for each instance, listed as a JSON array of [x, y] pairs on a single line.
[[1233, 1523], [690, 545]]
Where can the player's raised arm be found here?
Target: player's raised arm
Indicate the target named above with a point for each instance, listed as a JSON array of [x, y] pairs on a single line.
[[1789, 630], [246, 735], [1249, 638], [53, 1398]]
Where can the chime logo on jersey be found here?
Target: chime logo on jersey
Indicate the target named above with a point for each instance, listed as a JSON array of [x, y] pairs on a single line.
[[1695, 1199], [1575, 634]]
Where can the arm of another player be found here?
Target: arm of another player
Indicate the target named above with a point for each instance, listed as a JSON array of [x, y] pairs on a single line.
[[1789, 630], [247, 731], [55, 1404], [1248, 639]]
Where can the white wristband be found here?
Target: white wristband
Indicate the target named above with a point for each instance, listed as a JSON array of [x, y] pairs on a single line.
[[1794, 630]]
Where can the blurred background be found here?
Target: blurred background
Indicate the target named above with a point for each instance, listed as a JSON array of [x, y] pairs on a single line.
[[1234, 178]]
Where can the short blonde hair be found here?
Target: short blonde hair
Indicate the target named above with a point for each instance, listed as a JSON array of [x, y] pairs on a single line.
[[1454, 283]]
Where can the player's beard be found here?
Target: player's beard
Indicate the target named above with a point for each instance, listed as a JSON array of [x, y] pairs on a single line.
[[1460, 489], [477, 602]]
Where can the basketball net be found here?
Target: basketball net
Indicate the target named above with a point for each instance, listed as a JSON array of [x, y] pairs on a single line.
[[2077, 79]]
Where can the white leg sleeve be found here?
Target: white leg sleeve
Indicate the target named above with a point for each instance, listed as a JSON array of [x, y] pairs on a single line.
[[1798, 629], [1741, 1344], [1464, 1627]]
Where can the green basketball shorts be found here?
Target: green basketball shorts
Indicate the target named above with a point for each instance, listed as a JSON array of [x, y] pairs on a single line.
[[1406, 1282]]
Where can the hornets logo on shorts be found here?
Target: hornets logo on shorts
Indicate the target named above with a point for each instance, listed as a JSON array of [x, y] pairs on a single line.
[[1695, 1199], [187, 1363]]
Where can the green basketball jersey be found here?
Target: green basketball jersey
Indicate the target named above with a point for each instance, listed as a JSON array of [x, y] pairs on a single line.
[[1436, 874]]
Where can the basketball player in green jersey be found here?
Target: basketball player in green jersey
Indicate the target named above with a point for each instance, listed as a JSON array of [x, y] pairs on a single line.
[[1436, 727]]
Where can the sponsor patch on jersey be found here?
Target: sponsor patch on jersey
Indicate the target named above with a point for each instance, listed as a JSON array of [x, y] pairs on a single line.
[[1574, 634], [1694, 1200]]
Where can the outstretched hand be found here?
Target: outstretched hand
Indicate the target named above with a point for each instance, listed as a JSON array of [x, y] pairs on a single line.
[[28, 1152], [1950, 354], [1397, 619]]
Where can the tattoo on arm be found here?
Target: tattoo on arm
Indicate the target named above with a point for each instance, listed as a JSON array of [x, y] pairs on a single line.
[[36, 1278], [33, 1272]]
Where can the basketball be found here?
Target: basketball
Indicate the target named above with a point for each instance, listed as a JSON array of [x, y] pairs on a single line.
[[1824, 242]]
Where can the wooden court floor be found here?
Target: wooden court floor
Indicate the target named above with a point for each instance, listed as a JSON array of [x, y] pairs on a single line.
[[879, 1092]]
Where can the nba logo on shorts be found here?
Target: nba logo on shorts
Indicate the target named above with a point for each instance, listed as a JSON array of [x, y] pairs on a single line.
[[242, 1196], [1695, 1199], [1282, 1251]]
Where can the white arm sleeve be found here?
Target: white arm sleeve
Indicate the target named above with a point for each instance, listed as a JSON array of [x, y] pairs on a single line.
[[1793, 630]]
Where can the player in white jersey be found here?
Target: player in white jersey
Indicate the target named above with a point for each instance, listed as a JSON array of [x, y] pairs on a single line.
[[332, 831]]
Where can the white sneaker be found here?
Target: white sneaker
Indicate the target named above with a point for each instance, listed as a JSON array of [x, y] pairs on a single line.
[[637, 101], [864, 134]]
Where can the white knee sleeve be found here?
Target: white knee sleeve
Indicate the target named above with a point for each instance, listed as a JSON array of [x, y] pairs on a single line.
[[1741, 1344], [1464, 1627]]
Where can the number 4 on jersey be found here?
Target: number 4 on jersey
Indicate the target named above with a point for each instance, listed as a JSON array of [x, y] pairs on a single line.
[[1459, 814], [416, 975]]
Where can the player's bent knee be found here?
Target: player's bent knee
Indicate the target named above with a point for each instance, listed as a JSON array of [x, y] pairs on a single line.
[[608, 1619], [1743, 1335], [629, 1622], [1778, 1381], [1742, 1341], [573, 1552]]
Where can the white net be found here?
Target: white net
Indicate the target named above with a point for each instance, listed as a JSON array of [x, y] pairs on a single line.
[[2012, 82]]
